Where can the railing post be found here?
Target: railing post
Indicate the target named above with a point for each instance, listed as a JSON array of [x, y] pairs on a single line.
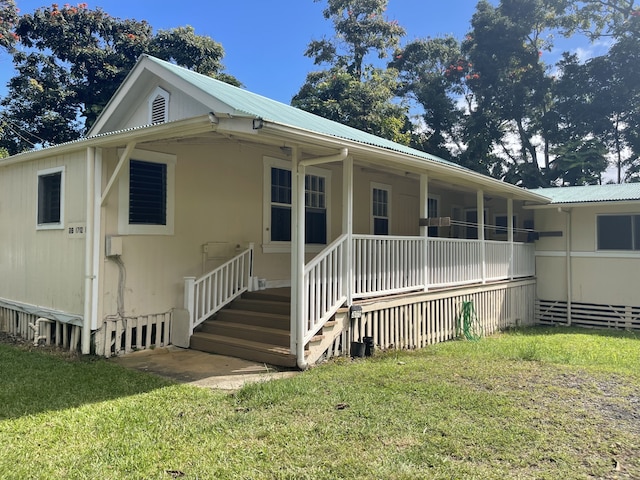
[[483, 251], [347, 228], [510, 236], [252, 247], [424, 231], [189, 300]]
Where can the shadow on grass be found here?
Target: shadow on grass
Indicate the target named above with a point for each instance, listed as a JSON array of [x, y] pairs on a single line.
[[563, 330], [33, 381]]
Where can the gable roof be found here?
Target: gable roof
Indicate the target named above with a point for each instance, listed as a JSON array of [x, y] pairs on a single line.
[[591, 193], [226, 99]]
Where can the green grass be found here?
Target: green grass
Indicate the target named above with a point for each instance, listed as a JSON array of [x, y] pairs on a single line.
[[534, 403]]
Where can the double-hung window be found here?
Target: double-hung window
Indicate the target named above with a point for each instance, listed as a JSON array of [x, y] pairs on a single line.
[[618, 232], [380, 208], [50, 208], [147, 194], [278, 201]]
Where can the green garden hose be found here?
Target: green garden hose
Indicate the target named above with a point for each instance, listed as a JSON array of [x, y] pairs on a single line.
[[467, 323]]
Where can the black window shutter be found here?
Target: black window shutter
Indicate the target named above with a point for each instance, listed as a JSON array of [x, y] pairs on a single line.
[[147, 193]]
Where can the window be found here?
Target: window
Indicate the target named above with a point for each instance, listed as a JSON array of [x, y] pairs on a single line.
[[147, 194], [277, 214], [471, 219], [501, 224], [380, 208], [433, 211], [50, 214], [159, 106], [618, 232]]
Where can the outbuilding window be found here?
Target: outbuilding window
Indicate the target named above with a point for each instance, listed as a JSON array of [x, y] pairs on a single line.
[[618, 232], [50, 213]]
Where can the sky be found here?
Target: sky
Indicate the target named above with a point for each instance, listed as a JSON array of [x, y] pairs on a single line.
[[265, 40]]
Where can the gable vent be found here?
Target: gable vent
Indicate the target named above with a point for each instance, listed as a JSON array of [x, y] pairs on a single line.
[[159, 109], [159, 106]]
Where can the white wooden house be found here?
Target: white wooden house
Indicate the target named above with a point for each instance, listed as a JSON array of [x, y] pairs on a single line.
[[193, 200]]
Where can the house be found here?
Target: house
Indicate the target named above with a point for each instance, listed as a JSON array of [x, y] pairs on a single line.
[[199, 214], [588, 256]]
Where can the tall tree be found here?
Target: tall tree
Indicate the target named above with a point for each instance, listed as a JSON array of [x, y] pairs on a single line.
[[69, 62], [350, 90]]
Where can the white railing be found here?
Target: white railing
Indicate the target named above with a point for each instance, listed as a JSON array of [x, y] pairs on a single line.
[[497, 258], [385, 265], [453, 261], [206, 295], [524, 260], [324, 287]]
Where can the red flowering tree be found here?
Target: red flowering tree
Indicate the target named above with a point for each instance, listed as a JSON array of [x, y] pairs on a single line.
[[69, 61]]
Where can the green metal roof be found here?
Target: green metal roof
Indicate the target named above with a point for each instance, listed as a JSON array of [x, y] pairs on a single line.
[[591, 193], [254, 105]]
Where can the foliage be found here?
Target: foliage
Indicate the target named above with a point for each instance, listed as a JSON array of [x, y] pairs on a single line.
[[351, 91], [454, 410], [70, 61]]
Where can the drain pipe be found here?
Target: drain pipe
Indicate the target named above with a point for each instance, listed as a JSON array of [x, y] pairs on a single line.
[[36, 330], [89, 277], [568, 269], [297, 306]]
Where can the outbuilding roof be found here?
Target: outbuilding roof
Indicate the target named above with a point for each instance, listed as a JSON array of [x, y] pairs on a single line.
[[591, 193]]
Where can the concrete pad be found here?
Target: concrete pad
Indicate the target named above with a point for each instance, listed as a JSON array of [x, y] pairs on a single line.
[[200, 368]]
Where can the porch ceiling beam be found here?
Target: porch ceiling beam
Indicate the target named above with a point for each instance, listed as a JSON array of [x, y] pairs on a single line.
[[338, 157], [124, 158]]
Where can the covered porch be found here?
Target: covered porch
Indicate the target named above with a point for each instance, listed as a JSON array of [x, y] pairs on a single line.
[[453, 255]]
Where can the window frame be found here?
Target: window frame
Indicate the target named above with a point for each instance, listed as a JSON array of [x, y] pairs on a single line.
[[43, 173], [497, 232], [633, 228], [388, 189], [269, 246], [124, 227], [433, 231]]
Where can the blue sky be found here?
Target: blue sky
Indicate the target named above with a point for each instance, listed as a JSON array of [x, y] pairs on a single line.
[[264, 40]]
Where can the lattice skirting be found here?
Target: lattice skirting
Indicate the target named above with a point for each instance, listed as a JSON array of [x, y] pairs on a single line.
[[419, 320], [550, 312], [126, 335], [49, 332]]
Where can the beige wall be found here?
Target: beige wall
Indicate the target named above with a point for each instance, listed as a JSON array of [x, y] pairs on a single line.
[[609, 278], [42, 267]]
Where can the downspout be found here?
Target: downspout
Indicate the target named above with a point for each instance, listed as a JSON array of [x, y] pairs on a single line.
[[298, 244], [88, 253], [568, 269]]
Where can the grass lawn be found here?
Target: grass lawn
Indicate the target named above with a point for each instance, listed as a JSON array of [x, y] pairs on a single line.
[[535, 403]]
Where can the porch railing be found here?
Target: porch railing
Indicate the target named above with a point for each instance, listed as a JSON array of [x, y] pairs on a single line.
[[524, 260], [453, 261], [386, 265], [205, 295], [324, 287]]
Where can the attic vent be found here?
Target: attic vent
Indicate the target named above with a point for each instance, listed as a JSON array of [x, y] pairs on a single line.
[[159, 106]]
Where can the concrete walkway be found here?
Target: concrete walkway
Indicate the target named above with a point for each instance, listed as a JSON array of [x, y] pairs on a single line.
[[199, 368]]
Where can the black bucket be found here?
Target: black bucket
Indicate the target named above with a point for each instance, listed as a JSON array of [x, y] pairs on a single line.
[[357, 349], [369, 346]]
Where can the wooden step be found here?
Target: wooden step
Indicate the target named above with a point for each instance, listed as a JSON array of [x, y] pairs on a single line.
[[258, 319], [249, 350], [243, 331], [273, 295], [261, 305]]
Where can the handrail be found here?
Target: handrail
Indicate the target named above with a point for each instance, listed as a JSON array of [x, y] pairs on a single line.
[[324, 287], [209, 293]]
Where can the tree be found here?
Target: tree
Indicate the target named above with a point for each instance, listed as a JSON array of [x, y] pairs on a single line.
[[352, 91], [430, 73], [72, 59]]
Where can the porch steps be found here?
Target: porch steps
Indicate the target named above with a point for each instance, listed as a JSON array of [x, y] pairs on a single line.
[[254, 327]]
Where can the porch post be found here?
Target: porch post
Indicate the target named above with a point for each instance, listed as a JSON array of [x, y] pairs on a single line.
[[297, 251], [347, 226], [483, 253], [510, 235], [424, 231]]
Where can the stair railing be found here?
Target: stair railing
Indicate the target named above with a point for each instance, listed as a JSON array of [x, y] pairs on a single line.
[[209, 293], [325, 288]]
